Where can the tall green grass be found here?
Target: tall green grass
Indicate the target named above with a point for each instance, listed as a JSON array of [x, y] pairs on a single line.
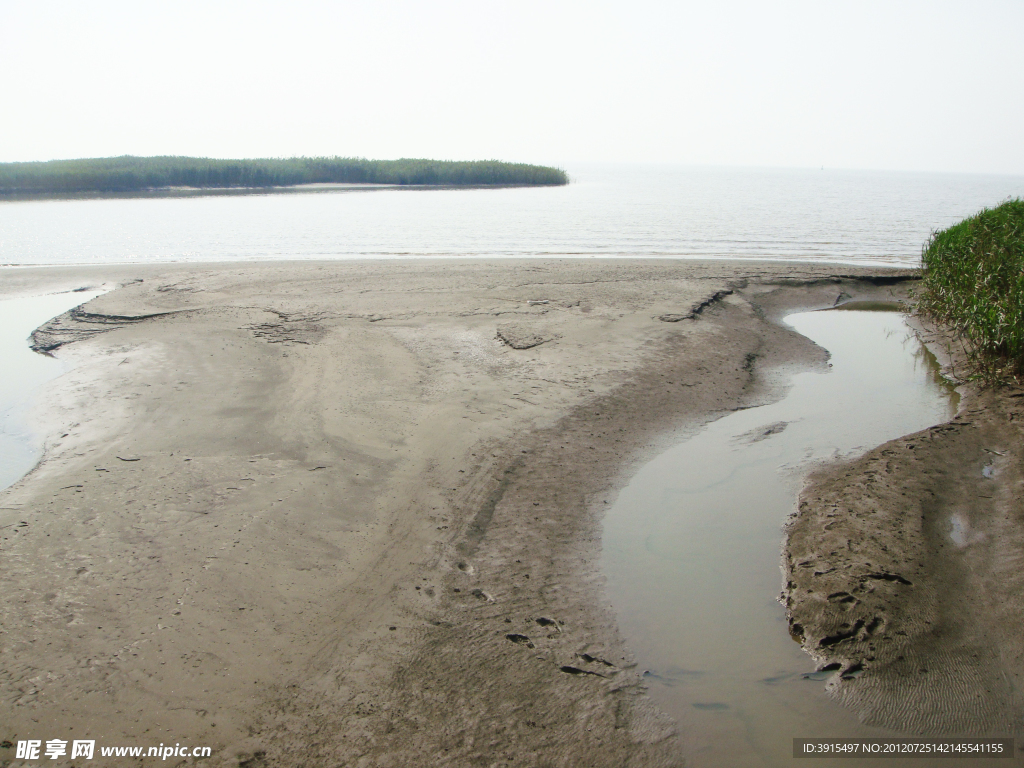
[[129, 174], [974, 282]]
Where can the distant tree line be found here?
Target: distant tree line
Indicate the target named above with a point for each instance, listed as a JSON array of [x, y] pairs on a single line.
[[128, 173]]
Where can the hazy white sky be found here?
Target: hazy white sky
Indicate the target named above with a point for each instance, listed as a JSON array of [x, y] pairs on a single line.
[[896, 85]]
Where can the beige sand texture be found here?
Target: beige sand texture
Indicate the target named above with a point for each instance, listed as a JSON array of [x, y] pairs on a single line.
[[348, 514]]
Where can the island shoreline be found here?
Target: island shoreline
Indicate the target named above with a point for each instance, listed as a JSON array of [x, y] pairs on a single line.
[[312, 188]]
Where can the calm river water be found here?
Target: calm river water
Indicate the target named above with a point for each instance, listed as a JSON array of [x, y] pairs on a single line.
[[648, 211]]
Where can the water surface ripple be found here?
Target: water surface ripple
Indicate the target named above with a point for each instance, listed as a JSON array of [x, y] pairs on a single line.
[[861, 217]]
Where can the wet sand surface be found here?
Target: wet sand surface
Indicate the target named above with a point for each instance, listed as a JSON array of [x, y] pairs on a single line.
[[349, 514]]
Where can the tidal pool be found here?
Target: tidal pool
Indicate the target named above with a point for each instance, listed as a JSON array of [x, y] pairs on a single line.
[[692, 544], [24, 372]]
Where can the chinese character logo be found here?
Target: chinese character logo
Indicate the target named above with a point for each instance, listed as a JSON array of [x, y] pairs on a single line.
[[82, 749], [29, 750], [56, 748]]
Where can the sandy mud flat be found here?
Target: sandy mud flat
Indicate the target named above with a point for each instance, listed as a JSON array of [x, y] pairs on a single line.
[[348, 514]]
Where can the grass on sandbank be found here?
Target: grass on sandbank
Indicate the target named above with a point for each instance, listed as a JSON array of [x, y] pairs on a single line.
[[129, 173], [974, 282]]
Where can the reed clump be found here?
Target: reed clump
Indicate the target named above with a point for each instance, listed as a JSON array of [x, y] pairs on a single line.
[[132, 174], [974, 282]]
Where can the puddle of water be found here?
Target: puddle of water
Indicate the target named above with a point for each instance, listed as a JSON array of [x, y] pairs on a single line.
[[691, 546], [24, 371]]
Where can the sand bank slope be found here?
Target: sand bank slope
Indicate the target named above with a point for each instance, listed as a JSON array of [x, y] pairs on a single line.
[[349, 513]]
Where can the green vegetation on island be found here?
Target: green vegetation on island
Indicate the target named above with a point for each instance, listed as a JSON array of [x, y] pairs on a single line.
[[974, 282], [133, 174]]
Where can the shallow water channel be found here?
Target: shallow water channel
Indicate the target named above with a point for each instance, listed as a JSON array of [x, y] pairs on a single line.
[[24, 372], [692, 544]]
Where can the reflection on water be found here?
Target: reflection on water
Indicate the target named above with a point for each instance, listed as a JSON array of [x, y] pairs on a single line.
[[691, 546], [24, 372]]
